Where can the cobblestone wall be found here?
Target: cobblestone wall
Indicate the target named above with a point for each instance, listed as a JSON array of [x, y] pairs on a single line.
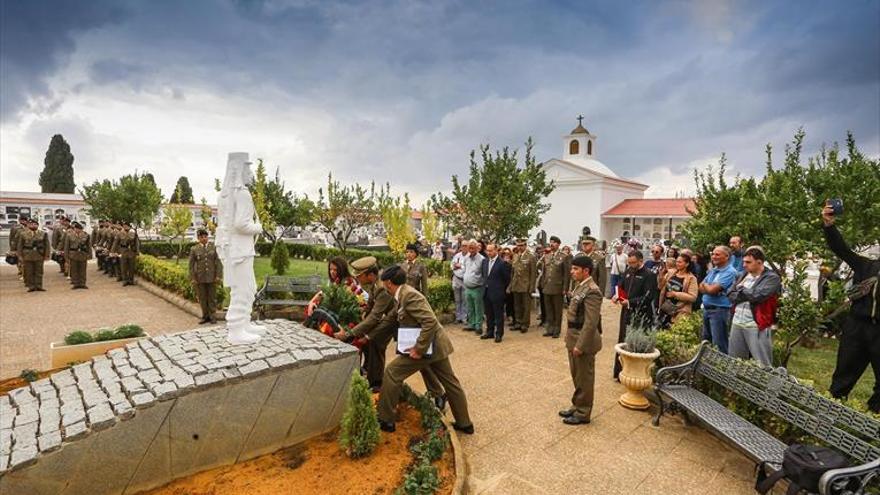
[[169, 406]]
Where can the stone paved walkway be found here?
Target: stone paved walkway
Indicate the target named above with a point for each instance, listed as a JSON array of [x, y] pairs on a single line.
[[515, 389], [30, 321]]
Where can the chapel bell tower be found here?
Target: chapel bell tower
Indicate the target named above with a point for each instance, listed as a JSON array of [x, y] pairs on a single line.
[[579, 143]]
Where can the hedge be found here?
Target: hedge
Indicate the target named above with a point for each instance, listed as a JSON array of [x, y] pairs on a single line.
[[171, 277], [440, 294]]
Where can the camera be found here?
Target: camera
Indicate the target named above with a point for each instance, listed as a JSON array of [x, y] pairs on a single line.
[[836, 204]]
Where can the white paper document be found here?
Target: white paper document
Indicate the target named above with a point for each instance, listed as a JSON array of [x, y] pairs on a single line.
[[406, 340]]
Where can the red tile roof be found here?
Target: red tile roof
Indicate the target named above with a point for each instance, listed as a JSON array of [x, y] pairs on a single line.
[[659, 207]]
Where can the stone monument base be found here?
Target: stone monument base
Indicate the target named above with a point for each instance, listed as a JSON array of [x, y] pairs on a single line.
[[170, 406]]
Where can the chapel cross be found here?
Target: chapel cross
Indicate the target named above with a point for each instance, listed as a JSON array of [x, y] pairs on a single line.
[[580, 119]]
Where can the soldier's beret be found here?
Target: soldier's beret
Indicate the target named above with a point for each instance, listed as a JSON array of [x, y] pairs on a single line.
[[583, 262], [555, 239], [588, 238], [77, 225], [361, 265], [395, 274], [412, 247]]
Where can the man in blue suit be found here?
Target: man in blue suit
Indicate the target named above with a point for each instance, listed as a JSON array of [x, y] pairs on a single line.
[[496, 273]]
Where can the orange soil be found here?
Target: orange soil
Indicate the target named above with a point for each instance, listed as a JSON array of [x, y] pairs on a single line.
[[319, 466], [10, 384]]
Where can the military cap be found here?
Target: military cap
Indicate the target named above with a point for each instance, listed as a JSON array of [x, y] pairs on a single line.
[[33, 220], [412, 247], [588, 238], [583, 262], [520, 241], [395, 274], [361, 265], [555, 239], [77, 225]]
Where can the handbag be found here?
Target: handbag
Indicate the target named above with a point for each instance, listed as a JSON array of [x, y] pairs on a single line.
[[668, 307], [802, 466]]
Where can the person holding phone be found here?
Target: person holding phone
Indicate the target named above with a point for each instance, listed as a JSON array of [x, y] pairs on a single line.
[[860, 339]]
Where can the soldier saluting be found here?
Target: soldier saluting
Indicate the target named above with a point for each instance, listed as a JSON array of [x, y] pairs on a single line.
[[205, 271], [127, 246], [77, 251], [33, 249]]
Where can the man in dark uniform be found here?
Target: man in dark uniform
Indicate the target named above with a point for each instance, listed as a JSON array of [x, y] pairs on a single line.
[[555, 268], [860, 340], [639, 286], [582, 340], [77, 251], [33, 250], [58, 242], [97, 238], [416, 271], [14, 232], [522, 284], [413, 311], [112, 259], [127, 246], [205, 271]]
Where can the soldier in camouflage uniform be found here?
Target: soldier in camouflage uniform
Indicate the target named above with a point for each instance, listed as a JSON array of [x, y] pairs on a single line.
[[205, 271], [78, 251], [416, 271], [33, 250], [126, 246], [522, 283], [14, 231], [555, 268]]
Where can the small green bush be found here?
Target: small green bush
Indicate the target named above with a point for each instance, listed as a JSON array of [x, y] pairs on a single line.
[[421, 480], [640, 339], [280, 258], [29, 375], [359, 435], [105, 334], [171, 277], [432, 448], [679, 342], [128, 331], [78, 337], [440, 294]]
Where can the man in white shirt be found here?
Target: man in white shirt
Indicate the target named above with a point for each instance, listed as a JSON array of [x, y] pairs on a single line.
[[458, 285], [618, 267], [472, 278]]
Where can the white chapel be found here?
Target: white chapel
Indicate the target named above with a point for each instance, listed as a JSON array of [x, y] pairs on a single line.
[[585, 189]]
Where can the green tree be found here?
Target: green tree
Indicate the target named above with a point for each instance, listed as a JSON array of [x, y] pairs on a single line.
[[207, 216], [431, 229], [57, 174], [344, 209], [280, 258], [474, 207], [258, 192], [359, 434], [183, 193], [285, 208], [396, 217], [133, 198], [177, 219]]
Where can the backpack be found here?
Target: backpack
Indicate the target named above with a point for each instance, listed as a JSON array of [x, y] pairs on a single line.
[[802, 466]]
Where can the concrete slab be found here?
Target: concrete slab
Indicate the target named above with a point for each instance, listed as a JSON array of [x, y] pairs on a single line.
[[154, 468]]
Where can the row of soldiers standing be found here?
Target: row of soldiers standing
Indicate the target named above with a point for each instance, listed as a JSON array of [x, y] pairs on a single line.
[[115, 245]]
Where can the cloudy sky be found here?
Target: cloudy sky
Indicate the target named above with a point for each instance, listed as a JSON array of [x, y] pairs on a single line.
[[401, 91]]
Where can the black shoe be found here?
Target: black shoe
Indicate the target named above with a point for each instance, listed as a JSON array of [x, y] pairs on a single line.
[[40, 289], [497, 339], [565, 413], [83, 287], [203, 321], [32, 290], [389, 427], [555, 335], [576, 419], [467, 329], [524, 329], [469, 429], [547, 334], [486, 336], [440, 402]]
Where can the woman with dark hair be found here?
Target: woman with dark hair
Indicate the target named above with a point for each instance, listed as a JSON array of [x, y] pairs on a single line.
[[338, 274], [678, 293], [337, 270]]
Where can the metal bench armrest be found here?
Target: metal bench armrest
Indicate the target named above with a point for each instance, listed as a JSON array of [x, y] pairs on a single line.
[[680, 374], [836, 481]]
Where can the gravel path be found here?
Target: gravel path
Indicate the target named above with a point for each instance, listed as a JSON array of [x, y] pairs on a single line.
[[30, 321]]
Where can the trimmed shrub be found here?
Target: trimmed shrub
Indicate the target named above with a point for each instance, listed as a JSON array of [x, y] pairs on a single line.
[[421, 480], [29, 375], [78, 337], [680, 341], [128, 331], [359, 435], [105, 334], [280, 258], [171, 277], [440, 294]]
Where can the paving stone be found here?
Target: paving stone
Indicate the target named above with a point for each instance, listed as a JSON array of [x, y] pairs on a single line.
[[143, 399], [49, 423], [75, 430], [50, 441], [126, 371], [24, 435], [123, 410], [209, 378], [5, 441], [307, 355], [24, 456], [254, 368], [4, 462], [164, 390], [132, 385], [23, 419], [72, 416], [101, 416], [281, 360]]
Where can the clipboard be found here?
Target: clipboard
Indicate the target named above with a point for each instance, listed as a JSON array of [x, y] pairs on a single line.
[[406, 339]]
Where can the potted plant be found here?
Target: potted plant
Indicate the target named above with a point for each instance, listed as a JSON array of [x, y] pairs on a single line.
[[81, 345], [637, 354]]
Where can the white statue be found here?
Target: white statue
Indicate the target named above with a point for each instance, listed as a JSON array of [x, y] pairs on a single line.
[[236, 228]]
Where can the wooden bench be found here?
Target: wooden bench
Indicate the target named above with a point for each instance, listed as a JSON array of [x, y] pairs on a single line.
[[279, 284], [854, 434]]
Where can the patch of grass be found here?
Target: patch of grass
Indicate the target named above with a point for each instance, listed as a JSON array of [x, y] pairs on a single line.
[[817, 365]]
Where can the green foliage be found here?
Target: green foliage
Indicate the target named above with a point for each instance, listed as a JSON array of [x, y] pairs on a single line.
[[57, 174], [183, 193], [431, 228], [78, 337], [171, 277], [128, 331], [781, 211], [432, 448], [280, 258], [640, 339], [177, 219], [344, 209], [207, 216], [258, 193], [440, 294], [105, 334], [680, 341], [396, 217], [359, 435], [473, 209], [342, 303], [421, 480], [133, 198], [285, 208], [29, 375]]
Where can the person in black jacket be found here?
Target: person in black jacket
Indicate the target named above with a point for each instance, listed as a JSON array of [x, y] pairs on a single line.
[[860, 339], [637, 294], [496, 273]]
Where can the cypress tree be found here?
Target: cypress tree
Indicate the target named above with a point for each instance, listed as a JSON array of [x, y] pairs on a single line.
[[183, 193], [57, 174]]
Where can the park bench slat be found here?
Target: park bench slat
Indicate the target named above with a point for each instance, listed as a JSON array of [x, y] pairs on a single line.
[[278, 284]]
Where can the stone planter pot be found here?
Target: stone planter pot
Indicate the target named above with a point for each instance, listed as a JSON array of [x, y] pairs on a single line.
[[635, 376], [62, 354]]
